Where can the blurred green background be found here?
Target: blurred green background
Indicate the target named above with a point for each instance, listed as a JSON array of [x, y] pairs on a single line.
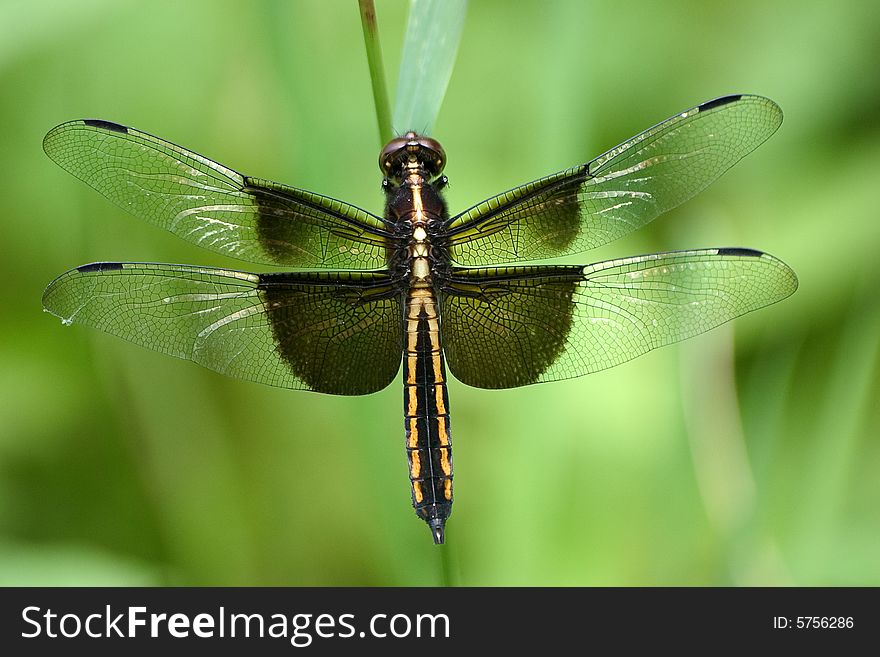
[[746, 456]]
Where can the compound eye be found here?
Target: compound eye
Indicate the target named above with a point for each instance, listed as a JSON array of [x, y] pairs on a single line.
[[386, 157], [437, 165]]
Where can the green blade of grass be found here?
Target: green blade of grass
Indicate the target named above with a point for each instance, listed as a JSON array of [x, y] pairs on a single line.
[[433, 33], [377, 70]]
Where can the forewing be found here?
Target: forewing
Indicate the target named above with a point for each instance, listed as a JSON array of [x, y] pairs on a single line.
[[589, 205], [512, 326], [213, 206], [332, 332]]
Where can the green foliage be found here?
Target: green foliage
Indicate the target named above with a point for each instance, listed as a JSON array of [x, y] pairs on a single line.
[[745, 456], [433, 33]]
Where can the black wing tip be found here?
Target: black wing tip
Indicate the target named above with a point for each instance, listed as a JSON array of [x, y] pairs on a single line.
[[99, 266], [740, 252], [733, 98], [719, 102], [106, 125]]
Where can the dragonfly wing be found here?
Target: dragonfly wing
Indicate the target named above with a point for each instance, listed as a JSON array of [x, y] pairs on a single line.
[[213, 206], [595, 203], [504, 327], [332, 332]]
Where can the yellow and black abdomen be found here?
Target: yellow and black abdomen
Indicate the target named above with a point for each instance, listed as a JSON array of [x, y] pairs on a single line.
[[426, 412]]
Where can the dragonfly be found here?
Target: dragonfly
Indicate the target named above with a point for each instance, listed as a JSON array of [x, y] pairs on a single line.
[[415, 285]]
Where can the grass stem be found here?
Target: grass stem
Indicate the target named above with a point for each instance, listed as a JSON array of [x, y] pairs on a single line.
[[377, 70]]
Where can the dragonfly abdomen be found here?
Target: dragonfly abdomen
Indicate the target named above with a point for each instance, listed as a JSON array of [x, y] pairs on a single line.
[[426, 412]]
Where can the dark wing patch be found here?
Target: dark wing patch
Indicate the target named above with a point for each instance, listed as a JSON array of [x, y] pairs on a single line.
[[592, 204], [344, 240], [719, 102], [504, 327], [332, 332], [99, 266], [213, 206], [742, 252], [341, 335], [106, 125], [507, 327]]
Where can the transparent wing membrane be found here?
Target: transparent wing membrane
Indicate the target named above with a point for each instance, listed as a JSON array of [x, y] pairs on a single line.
[[505, 327], [213, 206], [333, 332], [590, 205]]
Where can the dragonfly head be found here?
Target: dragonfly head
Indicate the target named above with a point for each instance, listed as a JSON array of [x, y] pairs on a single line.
[[412, 153]]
